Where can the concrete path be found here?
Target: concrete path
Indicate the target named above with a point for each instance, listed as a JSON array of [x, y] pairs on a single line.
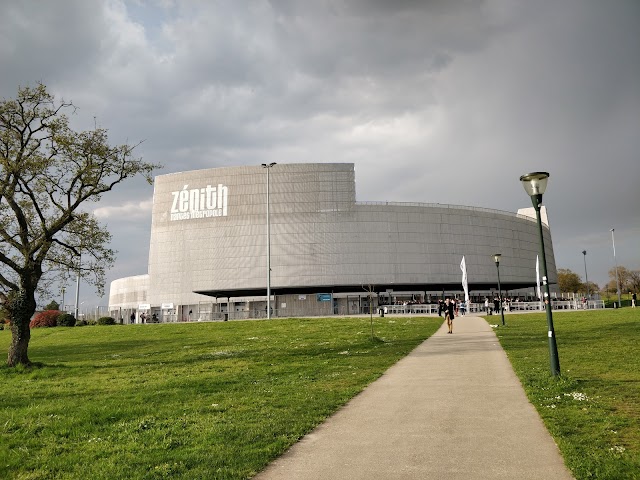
[[452, 409]]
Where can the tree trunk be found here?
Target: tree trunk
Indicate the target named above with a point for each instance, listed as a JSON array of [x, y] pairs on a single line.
[[21, 334], [21, 306]]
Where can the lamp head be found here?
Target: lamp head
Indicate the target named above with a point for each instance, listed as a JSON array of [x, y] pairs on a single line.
[[584, 252], [496, 258], [535, 184]]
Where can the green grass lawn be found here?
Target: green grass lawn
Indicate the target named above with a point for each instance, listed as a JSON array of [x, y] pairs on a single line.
[[196, 401], [593, 410]]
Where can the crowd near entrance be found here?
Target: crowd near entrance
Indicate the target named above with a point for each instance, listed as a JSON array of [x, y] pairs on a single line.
[[342, 304]]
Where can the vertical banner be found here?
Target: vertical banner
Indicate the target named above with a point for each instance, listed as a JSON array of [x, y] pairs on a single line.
[[465, 284]]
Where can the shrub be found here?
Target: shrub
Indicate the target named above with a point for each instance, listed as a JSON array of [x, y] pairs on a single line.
[[66, 320], [47, 318], [53, 305], [106, 321]]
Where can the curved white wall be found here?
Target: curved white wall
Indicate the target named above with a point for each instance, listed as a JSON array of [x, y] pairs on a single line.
[[209, 234]]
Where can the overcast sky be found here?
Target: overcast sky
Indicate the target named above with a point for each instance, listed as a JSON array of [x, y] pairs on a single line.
[[433, 101]]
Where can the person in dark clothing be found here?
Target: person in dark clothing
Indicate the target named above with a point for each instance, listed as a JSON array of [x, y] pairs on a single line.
[[449, 314]]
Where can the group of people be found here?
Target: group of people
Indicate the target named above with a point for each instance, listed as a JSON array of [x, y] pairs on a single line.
[[459, 307], [488, 308], [144, 318], [506, 304]]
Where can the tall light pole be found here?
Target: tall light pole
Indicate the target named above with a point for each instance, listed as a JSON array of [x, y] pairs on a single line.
[[586, 277], [535, 185], [496, 258], [268, 167], [613, 239]]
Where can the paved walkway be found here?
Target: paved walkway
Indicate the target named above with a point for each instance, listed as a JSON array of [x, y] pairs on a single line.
[[452, 409]]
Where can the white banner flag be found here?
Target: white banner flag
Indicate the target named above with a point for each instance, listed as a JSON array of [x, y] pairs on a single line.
[[538, 278], [465, 284]]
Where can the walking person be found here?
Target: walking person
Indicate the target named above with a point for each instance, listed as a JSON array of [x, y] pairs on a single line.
[[633, 300], [449, 313]]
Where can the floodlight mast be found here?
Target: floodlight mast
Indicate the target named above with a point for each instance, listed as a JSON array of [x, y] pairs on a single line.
[[268, 167]]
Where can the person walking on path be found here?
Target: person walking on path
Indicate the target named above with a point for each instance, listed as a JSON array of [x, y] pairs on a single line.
[[449, 313]]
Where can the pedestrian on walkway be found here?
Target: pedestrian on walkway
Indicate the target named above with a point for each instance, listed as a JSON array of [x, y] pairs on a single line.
[[449, 313]]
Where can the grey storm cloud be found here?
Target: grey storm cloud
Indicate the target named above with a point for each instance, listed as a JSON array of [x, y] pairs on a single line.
[[439, 101]]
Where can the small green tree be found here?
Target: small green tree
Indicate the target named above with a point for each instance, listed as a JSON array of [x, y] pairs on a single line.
[[48, 172], [53, 305], [568, 281]]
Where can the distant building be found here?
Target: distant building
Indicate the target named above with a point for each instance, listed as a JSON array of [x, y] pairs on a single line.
[[208, 251]]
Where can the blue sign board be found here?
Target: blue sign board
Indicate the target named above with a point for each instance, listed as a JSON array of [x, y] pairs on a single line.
[[323, 297]]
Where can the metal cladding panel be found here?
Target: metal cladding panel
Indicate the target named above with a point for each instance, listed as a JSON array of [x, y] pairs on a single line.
[[209, 233], [209, 226], [129, 292]]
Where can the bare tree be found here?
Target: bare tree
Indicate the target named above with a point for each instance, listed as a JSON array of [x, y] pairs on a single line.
[[625, 276], [634, 281], [48, 172]]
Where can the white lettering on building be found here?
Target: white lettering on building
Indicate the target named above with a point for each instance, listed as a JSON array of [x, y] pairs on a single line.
[[199, 202]]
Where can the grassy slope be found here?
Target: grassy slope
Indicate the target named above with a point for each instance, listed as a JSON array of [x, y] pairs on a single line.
[[220, 400], [217, 400], [593, 411]]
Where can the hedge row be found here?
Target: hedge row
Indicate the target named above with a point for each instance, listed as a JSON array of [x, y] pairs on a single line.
[[56, 318]]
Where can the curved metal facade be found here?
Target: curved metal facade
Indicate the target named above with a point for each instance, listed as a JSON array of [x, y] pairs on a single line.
[[209, 235]]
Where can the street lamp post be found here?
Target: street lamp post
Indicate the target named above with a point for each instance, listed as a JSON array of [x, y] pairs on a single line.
[[268, 167], [78, 284], [586, 277], [613, 239], [496, 258], [535, 185]]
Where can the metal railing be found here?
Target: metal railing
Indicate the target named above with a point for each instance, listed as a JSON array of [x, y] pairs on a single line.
[[449, 206]]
